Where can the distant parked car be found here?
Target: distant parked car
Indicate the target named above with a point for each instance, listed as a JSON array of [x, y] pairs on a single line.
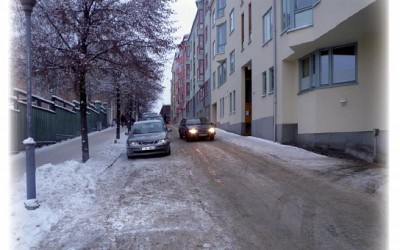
[[148, 114], [153, 117], [148, 138], [196, 128]]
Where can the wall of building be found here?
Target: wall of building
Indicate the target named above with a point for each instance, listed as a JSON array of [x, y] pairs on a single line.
[[339, 116]]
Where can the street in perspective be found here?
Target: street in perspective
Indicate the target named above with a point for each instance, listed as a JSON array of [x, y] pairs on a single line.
[[197, 124], [230, 193]]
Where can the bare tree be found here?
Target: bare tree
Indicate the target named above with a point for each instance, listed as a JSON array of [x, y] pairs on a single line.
[[74, 41]]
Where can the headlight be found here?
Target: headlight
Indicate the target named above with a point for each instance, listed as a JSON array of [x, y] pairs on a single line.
[[163, 141], [193, 131], [211, 130], [131, 143]]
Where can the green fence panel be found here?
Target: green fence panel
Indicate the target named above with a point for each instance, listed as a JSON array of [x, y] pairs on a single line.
[[52, 121]]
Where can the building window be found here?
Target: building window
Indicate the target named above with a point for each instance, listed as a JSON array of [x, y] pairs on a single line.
[[230, 103], [222, 73], [234, 102], [249, 22], [187, 52], [327, 67], [285, 14], [214, 80], [232, 62], [214, 49], [221, 8], [213, 17], [271, 80], [187, 71], [206, 61], [344, 64], [267, 26], [297, 13], [222, 107], [232, 21], [221, 38], [201, 43], [200, 73], [242, 30], [264, 83]]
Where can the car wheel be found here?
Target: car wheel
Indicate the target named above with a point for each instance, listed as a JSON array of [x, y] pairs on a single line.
[[180, 135], [129, 156], [211, 138], [187, 137]]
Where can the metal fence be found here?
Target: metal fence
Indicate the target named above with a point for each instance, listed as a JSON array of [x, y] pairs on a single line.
[[53, 120]]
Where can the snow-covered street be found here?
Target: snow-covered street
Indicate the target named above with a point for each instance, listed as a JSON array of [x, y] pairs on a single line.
[[199, 198]]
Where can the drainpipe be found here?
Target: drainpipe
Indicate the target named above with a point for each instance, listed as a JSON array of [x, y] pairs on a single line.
[[275, 72], [376, 134]]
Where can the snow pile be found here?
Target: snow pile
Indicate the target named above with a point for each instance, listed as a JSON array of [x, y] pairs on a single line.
[[345, 172], [60, 189]]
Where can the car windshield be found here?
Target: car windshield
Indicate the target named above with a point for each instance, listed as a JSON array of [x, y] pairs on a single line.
[[144, 128], [197, 121], [159, 118]]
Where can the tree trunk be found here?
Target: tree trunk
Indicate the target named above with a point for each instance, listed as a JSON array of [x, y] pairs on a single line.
[[83, 112], [118, 112]]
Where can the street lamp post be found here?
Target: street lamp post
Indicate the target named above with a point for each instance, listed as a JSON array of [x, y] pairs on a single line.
[[31, 203]]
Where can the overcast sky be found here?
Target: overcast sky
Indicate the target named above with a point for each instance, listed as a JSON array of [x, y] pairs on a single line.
[[185, 13]]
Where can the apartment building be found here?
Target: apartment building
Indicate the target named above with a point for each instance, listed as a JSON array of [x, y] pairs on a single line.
[[304, 72], [180, 76], [199, 94]]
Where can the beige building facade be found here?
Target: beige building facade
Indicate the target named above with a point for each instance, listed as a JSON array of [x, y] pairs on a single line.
[[305, 72]]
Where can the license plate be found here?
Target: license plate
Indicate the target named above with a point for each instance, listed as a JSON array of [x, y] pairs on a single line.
[[203, 134], [148, 148]]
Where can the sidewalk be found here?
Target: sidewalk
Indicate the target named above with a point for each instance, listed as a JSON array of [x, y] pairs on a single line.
[[61, 152]]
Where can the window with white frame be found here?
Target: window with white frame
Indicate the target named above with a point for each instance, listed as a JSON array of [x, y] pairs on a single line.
[[232, 20], [267, 26], [271, 80], [221, 38], [232, 62], [264, 83], [332, 66]]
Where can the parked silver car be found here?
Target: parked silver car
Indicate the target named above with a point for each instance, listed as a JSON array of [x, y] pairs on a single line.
[[148, 138]]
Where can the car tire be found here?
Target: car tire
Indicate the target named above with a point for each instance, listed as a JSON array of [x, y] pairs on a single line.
[[129, 156], [212, 138], [188, 139], [180, 135]]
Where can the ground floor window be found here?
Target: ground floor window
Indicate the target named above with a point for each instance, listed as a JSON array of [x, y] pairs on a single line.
[[325, 67], [271, 80], [264, 83]]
